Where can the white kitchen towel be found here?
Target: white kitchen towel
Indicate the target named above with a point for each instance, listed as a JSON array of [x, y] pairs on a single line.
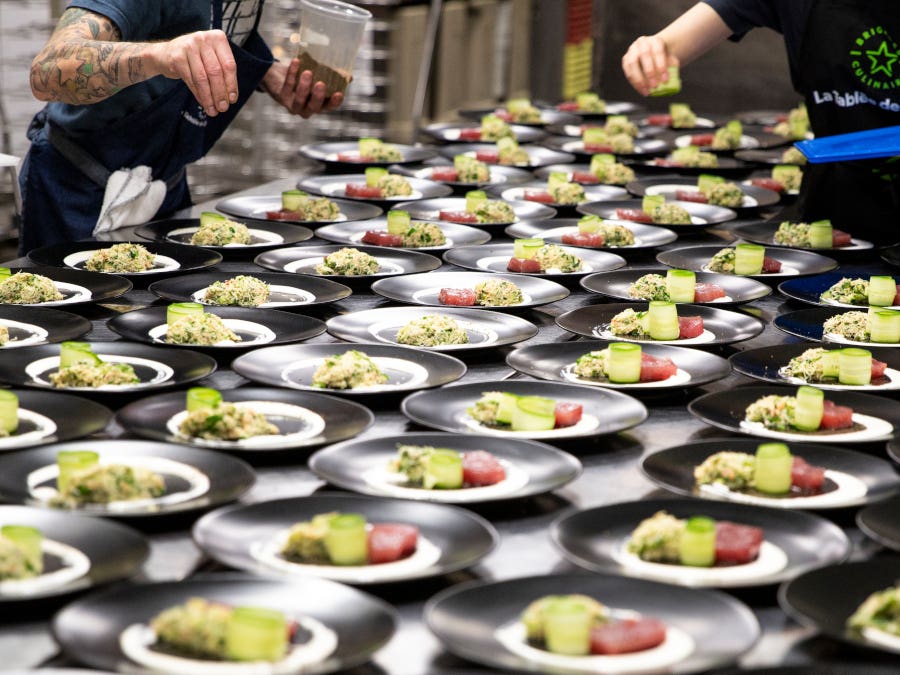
[[132, 197]]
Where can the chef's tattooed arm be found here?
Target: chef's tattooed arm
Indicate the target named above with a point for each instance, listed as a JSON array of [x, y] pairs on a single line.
[[85, 61]]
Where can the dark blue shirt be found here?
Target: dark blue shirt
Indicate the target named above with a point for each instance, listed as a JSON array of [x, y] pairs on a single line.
[[788, 17]]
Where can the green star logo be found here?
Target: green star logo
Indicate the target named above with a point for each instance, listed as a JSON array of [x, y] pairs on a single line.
[[882, 60]]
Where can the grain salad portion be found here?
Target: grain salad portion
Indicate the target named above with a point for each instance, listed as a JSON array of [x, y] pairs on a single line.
[[129, 258]]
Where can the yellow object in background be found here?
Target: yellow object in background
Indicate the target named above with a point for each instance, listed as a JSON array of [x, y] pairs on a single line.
[[577, 66]]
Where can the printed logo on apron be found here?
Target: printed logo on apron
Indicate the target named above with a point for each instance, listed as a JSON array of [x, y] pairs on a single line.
[[874, 59]]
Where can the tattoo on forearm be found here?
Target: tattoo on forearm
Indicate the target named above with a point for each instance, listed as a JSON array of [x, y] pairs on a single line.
[[85, 61]]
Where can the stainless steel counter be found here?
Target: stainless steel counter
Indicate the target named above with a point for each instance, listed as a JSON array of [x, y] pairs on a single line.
[[610, 475]]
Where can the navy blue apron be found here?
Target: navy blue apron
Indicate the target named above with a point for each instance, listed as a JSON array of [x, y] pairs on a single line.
[[61, 202], [849, 73]]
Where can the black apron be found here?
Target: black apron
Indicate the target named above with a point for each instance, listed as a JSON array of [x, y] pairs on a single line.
[[849, 72], [61, 201]]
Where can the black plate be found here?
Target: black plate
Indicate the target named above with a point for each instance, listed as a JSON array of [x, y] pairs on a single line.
[[754, 197], [615, 285], [170, 258], [342, 419], [485, 329], [893, 451], [256, 327], [702, 215], [351, 234], [810, 289], [749, 141], [765, 364], [592, 193], [448, 132], [696, 258], [643, 147], [494, 257], [255, 207], [554, 362], [727, 166], [264, 234], [577, 129], [500, 175], [764, 233], [569, 169], [50, 418], [112, 551], [408, 369], [725, 410], [595, 539], [357, 465], [605, 411], [768, 156], [333, 185], [879, 521], [726, 326], [77, 286], [762, 117], [466, 618], [37, 325], [701, 121], [891, 256], [548, 115], [88, 630], [646, 236], [287, 291], [825, 598], [203, 478], [421, 289], [807, 323], [392, 262], [430, 209], [245, 536], [537, 156], [328, 153], [156, 368], [673, 469]]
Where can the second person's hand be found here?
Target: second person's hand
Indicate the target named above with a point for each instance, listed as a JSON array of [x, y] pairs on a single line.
[[297, 92]]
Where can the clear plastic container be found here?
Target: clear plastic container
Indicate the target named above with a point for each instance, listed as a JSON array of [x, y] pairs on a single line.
[[330, 35]]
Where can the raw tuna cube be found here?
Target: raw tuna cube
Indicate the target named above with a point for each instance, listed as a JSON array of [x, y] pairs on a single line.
[[662, 161], [770, 265], [598, 148], [445, 173], [362, 191], [768, 184], [583, 239], [836, 416], [840, 238], [702, 139], [878, 368], [481, 468], [568, 414], [350, 157], [487, 156], [568, 106], [690, 327], [470, 134], [463, 297], [630, 635], [806, 476], [737, 544], [458, 217], [391, 541], [584, 177], [691, 196], [897, 297], [659, 120], [525, 265], [284, 215], [382, 238], [634, 215], [541, 196], [503, 115], [707, 292], [654, 369]]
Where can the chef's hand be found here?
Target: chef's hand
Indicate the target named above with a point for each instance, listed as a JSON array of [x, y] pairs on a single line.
[[646, 63], [296, 91], [203, 60]]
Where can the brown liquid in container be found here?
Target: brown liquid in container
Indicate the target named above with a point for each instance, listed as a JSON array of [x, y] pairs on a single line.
[[335, 80]]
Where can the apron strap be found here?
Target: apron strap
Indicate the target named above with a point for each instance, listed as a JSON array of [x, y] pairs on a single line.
[[87, 163]]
